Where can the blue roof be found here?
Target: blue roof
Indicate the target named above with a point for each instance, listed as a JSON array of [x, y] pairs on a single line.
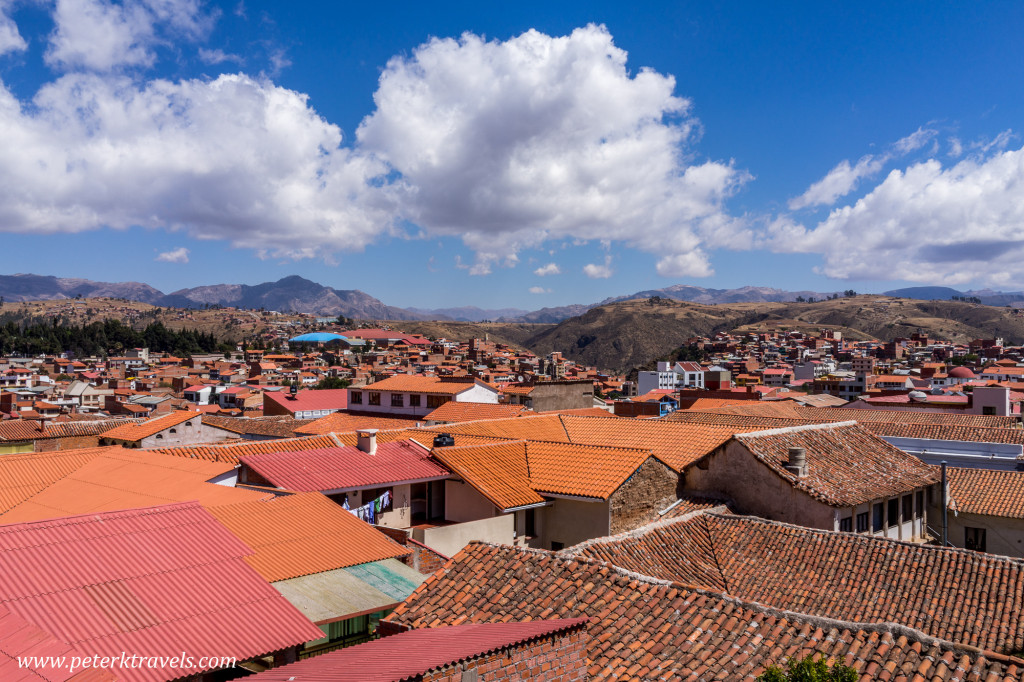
[[317, 337]]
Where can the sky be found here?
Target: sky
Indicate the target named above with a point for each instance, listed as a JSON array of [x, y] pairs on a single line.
[[514, 154]]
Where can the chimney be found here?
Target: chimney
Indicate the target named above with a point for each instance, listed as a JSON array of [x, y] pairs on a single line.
[[366, 440], [797, 463]]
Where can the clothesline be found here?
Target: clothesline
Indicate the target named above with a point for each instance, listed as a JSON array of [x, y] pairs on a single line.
[[369, 511]]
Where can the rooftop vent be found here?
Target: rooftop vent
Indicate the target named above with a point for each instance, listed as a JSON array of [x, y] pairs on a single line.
[[444, 440], [797, 463]]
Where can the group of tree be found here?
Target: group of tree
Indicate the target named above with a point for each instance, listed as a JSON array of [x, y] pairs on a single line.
[[966, 299], [101, 338]]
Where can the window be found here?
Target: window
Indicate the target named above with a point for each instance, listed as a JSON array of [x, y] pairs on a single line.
[[557, 546], [908, 508], [434, 401], [894, 512], [920, 503], [414, 400], [989, 409], [974, 538], [846, 525], [355, 397], [188, 423], [877, 517], [397, 400], [531, 523], [374, 399], [174, 430]]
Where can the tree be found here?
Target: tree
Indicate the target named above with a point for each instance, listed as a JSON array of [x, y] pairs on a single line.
[[809, 670], [329, 383], [849, 293]]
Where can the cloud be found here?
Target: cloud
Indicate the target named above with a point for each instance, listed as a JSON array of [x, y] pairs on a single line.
[[101, 36], [927, 224], [594, 271], [549, 269], [539, 290], [10, 38], [217, 56], [178, 255], [844, 178], [510, 144], [232, 158]]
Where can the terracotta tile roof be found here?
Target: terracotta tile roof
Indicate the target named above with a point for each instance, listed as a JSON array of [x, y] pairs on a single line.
[[346, 468], [986, 492], [277, 426], [741, 420], [338, 422], [22, 476], [978, 434], [583, 412], [847, 465], [647, 629], [676, 444], [759, 408], [906, 417], [230, 452], [497, 471], [467, 412], [21, 430], [412, 655], [160, 581], [953, 594], [411, 383], [128, 480], [137, 431], [296, 535], [584, 470], [547, 428]]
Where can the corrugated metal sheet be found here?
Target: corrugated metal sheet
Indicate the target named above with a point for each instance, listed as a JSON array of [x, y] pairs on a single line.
[[128, 481], [22, 476], [151, 582], [413, 653], [301, 534], [346, 467], [232, 451], [332, 595], [18, 637], [390, 576]]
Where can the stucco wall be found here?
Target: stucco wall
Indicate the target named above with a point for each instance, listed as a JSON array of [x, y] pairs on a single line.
[[187, 433], [448, 540], [463, 503], [735, 473], [1002, 535], [571, 522]]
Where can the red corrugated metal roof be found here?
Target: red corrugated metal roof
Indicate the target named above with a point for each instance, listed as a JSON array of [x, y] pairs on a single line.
[[410, 654], [333, 399], [347, 467], [19, 638], [151, 582]]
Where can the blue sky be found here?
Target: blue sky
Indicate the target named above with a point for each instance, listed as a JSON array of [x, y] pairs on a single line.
[[514, 154]]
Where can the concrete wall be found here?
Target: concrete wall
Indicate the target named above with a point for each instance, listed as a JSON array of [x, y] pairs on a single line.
[[187, 433], [571, 522], [448, 540], [735, 473], [463, 503], [637, 501], [570, 394], [1002, 535]]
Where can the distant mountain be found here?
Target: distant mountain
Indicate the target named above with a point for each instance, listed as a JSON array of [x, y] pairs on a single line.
[[292, 293], [987, 296], [467, 313], [24, 287], [687, 292], [551, 315]]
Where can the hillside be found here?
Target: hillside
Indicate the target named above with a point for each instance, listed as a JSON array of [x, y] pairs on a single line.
[[631, 333], [511, 333]]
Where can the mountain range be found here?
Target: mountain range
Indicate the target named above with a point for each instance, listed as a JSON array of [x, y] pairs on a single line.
[[298, 294]]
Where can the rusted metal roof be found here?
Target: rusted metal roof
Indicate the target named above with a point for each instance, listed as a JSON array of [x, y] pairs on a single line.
[[152, 582]]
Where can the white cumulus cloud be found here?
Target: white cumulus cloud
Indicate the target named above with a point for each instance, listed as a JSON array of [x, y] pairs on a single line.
[[509, 144], [549, 269], [178, 255], [595, 271], [10, 37], [102, 35], [927, 223], [232, 158], [539, 290]]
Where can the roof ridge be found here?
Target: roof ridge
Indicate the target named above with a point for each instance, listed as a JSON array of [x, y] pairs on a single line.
[[796, 429], [824, 622], [649, 451], [75, 519]]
